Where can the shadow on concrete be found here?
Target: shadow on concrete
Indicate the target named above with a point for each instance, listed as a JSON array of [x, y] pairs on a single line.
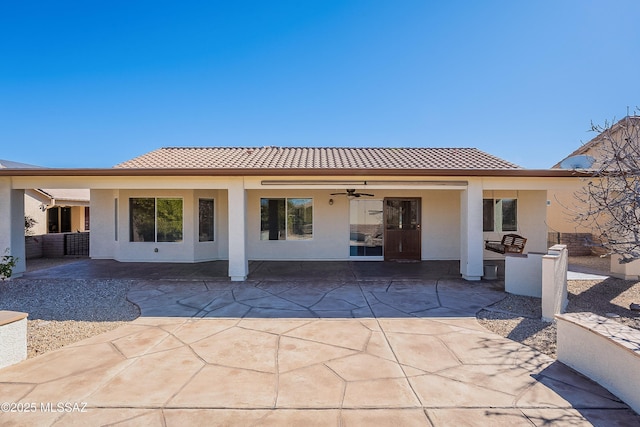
[[258, 270], [592, 401]]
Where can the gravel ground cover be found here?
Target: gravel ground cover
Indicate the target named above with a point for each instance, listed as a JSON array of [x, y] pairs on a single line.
[[64, 311], [518, 317]]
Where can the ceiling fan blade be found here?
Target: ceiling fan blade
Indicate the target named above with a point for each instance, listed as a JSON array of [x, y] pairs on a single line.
[[338, 194], [367, 194]]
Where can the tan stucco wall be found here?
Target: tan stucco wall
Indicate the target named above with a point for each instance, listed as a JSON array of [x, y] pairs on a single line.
[[32, 209], [562, 210], [77, 218]]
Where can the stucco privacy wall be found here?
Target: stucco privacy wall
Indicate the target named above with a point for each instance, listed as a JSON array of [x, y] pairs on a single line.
[[32, 209]]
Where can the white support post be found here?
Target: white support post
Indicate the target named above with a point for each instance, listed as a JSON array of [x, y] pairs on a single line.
[[12, 225], [554, 282], [238, 263], [471, 256]]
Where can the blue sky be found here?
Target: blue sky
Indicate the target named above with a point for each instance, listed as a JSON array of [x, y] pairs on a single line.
[[91, 84]]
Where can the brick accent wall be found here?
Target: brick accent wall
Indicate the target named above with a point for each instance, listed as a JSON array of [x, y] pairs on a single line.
[[578, 244], [53, 245], [33, 246]]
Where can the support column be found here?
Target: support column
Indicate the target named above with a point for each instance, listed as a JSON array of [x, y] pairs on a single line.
[[471, 256], [12, 225], [238, 263]]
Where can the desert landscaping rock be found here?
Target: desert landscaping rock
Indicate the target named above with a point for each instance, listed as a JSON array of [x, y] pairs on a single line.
[[518, 317], [64, 311]]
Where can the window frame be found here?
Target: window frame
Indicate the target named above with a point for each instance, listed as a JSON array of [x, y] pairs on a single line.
[[498, 216], [155, 220], [213, 220], [284, 223]]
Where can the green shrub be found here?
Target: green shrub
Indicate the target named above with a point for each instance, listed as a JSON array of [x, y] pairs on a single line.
[[7, 264]]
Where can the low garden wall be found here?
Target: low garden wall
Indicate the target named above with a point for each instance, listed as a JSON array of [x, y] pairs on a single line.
[[604, 350], [57, 245], [13, 337], [577, 243]]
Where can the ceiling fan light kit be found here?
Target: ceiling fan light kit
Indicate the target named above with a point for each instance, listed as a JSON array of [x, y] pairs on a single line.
[[351, 194]]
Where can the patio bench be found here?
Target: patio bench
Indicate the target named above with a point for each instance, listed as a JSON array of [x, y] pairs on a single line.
[[510, 244]]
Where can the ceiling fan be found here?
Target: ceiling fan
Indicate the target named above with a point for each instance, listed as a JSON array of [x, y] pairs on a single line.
[[351, 193]]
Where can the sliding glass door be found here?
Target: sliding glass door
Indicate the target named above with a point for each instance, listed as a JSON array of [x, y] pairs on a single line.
[[366, 228]]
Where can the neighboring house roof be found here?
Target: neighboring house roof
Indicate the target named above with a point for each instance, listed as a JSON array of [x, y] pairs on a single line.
[[67, 195], [7, 164], [317, 158], [60, 197], [592, 147]]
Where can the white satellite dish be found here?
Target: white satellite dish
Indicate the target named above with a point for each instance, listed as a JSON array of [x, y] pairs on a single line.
[[577, 162]]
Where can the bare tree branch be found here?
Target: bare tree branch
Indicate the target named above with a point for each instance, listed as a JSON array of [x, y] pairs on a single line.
[[610, 199]]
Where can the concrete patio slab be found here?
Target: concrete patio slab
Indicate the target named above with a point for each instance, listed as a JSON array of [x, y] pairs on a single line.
[[294, 351]]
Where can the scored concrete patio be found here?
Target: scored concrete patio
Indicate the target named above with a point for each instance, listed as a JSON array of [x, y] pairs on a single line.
[[299, 345]]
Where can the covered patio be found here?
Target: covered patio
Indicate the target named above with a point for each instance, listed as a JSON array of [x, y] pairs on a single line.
[[258, 270]]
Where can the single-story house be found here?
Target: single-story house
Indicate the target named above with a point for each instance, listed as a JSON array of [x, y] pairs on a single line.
[[238, 204]]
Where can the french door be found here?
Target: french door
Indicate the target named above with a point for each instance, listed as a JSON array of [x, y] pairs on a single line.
[[402, 229]]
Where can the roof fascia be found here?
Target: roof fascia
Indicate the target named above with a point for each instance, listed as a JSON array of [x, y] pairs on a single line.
[[527, 173]]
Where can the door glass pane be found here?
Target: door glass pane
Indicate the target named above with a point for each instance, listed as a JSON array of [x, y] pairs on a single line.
[[366, 233], [394, 215], [402, 214]]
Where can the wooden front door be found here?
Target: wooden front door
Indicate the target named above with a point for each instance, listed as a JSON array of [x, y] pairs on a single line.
[[402, 229]]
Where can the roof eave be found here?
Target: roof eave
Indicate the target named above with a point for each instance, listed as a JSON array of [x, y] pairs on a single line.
[[106, 172]]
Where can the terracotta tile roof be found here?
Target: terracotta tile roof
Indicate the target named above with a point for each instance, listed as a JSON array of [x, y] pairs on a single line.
[[316, 158]]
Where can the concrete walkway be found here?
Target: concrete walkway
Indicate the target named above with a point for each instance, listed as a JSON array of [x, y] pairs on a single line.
[[397, 352]]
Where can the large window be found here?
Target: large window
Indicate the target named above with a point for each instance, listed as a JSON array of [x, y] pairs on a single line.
[[500, 215], [155, 220], [286, 219], [205, 220]]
